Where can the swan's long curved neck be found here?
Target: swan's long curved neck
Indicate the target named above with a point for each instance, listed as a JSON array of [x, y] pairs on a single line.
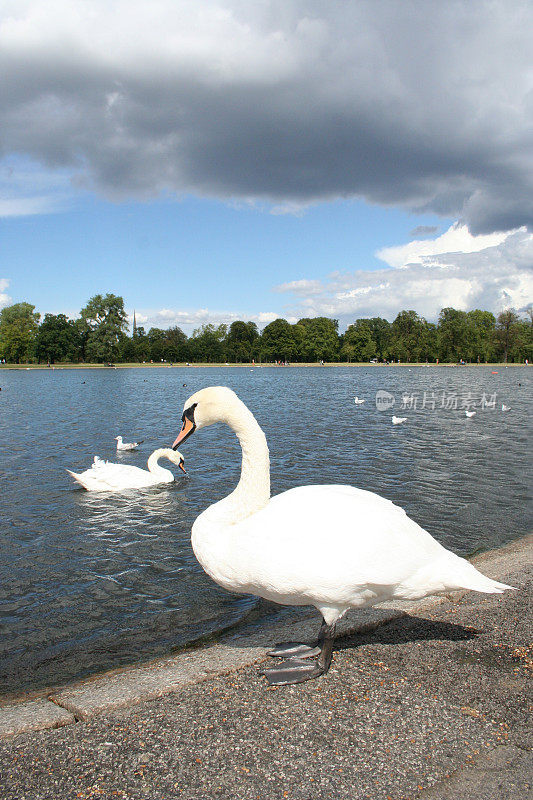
[[155, 468], [253, 490]]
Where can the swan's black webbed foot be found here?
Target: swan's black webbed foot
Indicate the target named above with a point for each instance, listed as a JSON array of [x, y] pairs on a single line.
[[294, 650], [293, 670], [298, 668]]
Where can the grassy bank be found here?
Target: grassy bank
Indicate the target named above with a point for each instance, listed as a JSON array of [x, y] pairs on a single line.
[[135, 365]]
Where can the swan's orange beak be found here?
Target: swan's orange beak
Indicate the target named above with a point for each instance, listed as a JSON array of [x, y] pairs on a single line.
[[187, 428]]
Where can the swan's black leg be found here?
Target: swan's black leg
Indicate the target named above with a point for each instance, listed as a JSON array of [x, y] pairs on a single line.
[[326, 637], [299, 649], [297, 669]]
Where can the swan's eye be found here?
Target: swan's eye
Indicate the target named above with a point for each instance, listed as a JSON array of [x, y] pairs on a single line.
[[189, 413]]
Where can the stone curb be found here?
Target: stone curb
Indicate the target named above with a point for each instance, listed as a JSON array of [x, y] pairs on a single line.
[[133, 685], [33, 715]]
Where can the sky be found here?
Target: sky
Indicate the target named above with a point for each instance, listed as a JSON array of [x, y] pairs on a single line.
[[229, 159]]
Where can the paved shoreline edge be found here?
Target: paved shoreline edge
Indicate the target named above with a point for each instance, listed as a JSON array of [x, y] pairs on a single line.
[[232, 650]]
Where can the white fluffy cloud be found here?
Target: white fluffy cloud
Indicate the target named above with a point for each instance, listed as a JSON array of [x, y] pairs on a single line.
[[457, 239], [491, 277], [5, 299], [301, 288], [190, 319], [424, 105]]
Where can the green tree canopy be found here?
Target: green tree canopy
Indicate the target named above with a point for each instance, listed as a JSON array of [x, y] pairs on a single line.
[[408, 330], [456, 334], [100, 334], [381, 334], [358, 343], [176, 345], [241, 340], [208, 343], [157, 340], [281, 341], [105, 321], [507, 332], [320, 341], [481, 337], [18, 331], [58, 339]]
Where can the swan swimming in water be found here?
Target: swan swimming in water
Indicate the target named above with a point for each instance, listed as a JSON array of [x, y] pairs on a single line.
[[358, 400], [398, 420], [331, 546], [104, 476]]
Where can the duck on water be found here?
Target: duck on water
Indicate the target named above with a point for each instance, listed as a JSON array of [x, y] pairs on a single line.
[[331, 546]]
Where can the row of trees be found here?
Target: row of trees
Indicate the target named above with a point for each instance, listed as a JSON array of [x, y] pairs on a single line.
[[100, 334]]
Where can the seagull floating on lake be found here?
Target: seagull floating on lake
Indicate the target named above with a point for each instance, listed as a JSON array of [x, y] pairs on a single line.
[[469, 413], [358, 400], [127, 445], [333, 547], [104, 476], [398, 420]]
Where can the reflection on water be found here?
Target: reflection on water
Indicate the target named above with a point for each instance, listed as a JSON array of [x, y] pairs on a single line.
[[89, 581]]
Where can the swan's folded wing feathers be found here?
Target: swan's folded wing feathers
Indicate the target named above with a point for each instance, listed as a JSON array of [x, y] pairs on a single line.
[[352, 536]]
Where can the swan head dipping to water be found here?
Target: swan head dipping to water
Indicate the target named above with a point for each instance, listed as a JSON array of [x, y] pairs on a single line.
[[335, 547], [105, 476]]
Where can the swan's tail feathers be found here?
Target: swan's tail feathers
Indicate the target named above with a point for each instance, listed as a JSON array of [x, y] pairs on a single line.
[[78, 478], [449, 574], [473, 579], [466, 576], [480, 583]]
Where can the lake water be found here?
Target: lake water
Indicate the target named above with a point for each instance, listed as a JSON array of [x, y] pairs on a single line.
[[90, 581]]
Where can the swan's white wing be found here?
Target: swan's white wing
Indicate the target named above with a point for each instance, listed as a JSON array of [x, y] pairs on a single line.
[[106, 477], [324, 542]]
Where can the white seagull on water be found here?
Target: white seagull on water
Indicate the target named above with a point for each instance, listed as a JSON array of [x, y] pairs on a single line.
[[127, 445]]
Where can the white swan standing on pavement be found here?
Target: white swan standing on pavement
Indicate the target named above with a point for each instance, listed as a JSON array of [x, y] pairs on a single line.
[[333, 547], [127, 445], [104, 476]]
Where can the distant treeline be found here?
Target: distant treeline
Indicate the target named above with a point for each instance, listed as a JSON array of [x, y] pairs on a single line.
[[100, 334]]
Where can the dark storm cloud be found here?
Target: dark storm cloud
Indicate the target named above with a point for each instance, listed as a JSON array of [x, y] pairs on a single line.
[[420, 105], [423, 230]]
